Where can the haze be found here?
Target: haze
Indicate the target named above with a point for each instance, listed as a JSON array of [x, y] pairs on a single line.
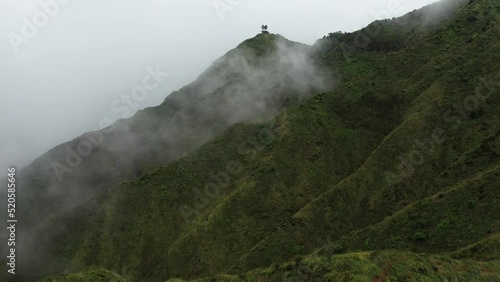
[[64, 80]]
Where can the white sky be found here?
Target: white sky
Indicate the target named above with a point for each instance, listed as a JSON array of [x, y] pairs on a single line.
[[63, 81]]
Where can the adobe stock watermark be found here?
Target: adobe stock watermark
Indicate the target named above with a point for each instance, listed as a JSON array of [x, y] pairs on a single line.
[[222, 7], [458, 114], [47, 9], [122, 106]]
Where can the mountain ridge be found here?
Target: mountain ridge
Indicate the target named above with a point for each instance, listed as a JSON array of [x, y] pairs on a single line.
[[333, 172]]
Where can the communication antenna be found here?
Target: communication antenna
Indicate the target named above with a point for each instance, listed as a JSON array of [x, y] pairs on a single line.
[[264, 29]]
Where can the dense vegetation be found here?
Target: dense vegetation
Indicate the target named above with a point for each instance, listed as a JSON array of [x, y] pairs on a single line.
[[392, 176]]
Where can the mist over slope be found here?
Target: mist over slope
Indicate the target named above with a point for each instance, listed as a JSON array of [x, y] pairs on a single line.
[[251, 83], [246, 84], [402, 154]]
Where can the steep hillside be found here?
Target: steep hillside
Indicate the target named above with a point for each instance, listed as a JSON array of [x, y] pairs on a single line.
[[93, 274], [375, 266], [247, 84], [426, 153], [362, 267], [403, 154]]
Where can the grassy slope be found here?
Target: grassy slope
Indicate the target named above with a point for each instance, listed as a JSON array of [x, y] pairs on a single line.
[[147, 212], [431, 225], [365, 198], [320, 174], [93, 274], [154, 136], [370, 266]]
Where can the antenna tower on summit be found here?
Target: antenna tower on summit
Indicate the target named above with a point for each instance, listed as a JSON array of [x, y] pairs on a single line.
[[264, 29]]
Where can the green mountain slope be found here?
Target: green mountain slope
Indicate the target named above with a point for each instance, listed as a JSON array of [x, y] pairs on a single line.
[[246, 84], [433, 135], [93, 274], [404, 154], [374, 266], [431, 225]]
